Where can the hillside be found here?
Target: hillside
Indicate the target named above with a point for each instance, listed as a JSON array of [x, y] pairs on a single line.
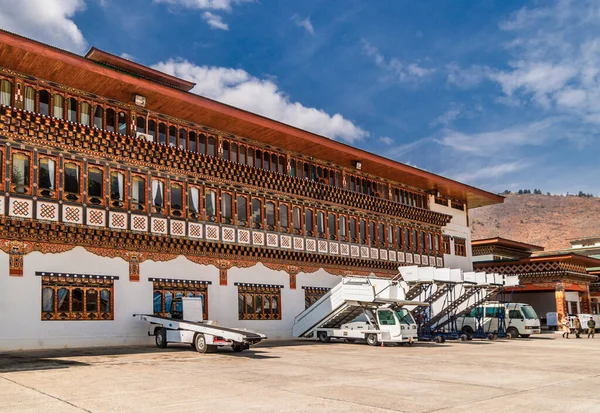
[[548, 221]]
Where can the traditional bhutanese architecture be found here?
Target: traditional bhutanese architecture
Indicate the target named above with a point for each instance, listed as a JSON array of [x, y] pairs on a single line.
[[551, 281], [123, 190]]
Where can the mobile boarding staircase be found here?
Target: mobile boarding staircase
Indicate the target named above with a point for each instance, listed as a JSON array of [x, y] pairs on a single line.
[[347, 300], [450, 294]]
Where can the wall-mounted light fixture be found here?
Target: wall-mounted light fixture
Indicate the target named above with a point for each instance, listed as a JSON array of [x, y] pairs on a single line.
[[140, 101], [358, 165]]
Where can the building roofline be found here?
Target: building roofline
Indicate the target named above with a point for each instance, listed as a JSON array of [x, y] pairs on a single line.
[[507, 243], [479, 197]]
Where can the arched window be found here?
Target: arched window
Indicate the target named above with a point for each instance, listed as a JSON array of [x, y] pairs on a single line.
[[110, 120], [270, 215], [162, 133], [309, 222], [256, 213], [306, 171], [91, 301], [362, 231], [297, 219], [283, 217], [85, 113], [293, 167], [243, 155], [226, 208], [140, 124], [176, 199], [331, 178], [381, 234], [193, 143], [202, 143], [98, 116], [182, 139], [72, 181], [152, 129], [250, 157], [274, 163], [352, 226], [48, 299], [320, 224], [173, 136], [211, 205], [338, 180], [77, 300], [211, 146], [281, 169], [46, 176], [5, 92], [234, 152], [226, 150], [95, 185], [258, 159], [331, 226], [158, 195], [242, 210], [30, 99], [122, 121], [117, 188], [266, 163], [342, 228], [372, 234], [44, 97], [58, 108], [194, 201], [21, 173], [72, 109]]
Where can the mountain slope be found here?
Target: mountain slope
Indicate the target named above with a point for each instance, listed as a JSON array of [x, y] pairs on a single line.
[[548, 221]]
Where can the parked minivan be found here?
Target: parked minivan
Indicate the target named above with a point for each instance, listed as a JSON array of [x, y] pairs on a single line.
[[520, 319]]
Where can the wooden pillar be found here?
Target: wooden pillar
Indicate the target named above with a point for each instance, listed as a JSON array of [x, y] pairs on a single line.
[[561, 304], [586, 301]]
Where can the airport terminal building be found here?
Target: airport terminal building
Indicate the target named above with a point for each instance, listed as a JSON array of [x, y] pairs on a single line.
[[123, 190]]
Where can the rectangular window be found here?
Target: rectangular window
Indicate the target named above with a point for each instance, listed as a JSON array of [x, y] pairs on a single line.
[[297, 220], [21, 173], [313, 294], [321, 224], [72, 181], [331, 221], [256, 214], [138, 193], [165, 290], [58, 107], [242, 210], [270, 215], [30, 99], [460, 247], [259, 302], [95, 185], [77, 297], [342, 228], [5, 92], [362, 231], [47, 177], [177, 207], [158, 195], [210, 205], [283, 217], [352, 225], [117, 188], [226, 208], [194, 201], [446, 244]]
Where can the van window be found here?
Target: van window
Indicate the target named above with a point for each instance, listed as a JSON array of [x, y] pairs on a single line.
[[529, 312], [386, 318], [476, 312], [491, 312], [515, 314], [404, 316]]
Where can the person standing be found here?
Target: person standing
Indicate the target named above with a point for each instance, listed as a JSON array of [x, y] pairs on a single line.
[[565, 326], [577, 325], [591, 324]]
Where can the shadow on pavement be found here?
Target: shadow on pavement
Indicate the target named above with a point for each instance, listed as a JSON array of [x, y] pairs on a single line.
[[10, 363]]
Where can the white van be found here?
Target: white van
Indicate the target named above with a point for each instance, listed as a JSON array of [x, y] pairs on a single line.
[[520, 319]]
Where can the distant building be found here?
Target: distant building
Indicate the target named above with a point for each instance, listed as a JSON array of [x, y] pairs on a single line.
[[551, 281]]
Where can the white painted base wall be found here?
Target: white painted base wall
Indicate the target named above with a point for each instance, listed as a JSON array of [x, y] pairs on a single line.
[[21, 326]]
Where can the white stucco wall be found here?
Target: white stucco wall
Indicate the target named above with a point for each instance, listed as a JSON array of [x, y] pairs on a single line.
[[457, 227], [20, 300]]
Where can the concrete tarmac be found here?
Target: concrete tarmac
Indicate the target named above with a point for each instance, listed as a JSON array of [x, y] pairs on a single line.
[[541, 374]]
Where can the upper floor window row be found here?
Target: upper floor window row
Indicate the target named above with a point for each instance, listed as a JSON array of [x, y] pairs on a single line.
[[101, 116]]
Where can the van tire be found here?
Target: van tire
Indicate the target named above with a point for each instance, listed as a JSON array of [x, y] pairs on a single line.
[[160, 338], [200, 343], [467, 330], [512, 332], [525, 335], [372, 339], [464, 337], [323, 337]]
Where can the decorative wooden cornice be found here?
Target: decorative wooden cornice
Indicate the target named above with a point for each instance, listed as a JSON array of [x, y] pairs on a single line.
[[499, 250], [24, 236], [51, 132]]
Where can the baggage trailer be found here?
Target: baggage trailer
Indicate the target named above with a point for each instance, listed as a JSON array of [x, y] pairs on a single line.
[[378, 301], [188, 326]]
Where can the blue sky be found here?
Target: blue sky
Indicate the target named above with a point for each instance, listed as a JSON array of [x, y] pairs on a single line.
[[497, 94]]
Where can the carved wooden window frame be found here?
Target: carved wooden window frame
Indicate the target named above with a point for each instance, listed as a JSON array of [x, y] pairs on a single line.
[[446, 245], [345, 237], [310, 232], [141, 206], [274, 225], [260, 223], [228, 220], [332, 236], [113, 202], [251, 302], [156, 209], [321, 234], [242, 222], [460, 247], [217, 206], [101, 201], [313, 294], [70, 282], [28, 188], [72, 196], [177, 212], [185, 287], [198, 214], [44, 192], [295, 230]]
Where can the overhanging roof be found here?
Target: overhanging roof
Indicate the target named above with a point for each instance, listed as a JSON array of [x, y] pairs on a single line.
[[46, 62], [503, 242]]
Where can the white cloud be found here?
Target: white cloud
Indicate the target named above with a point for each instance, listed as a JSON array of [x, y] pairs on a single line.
[[398, 70], [224, 5], [262, 96], [304, 23], [386, 140], [446, 118], [49, 21], [214, 21], [127, 56], [489, 172], [467, 77]]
